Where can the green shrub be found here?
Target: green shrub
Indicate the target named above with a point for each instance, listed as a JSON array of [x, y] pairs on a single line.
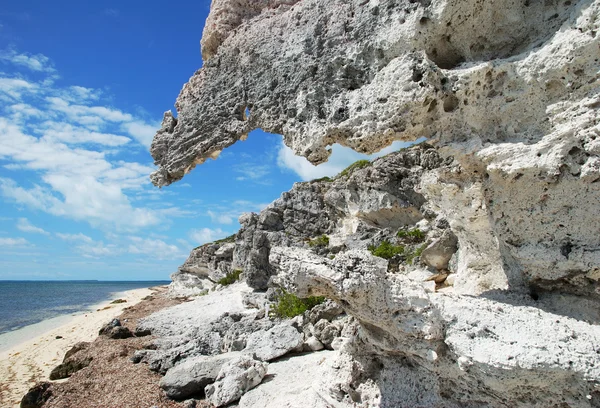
[[415, 235], [289, 305], [410, 256], [386, 250], [319, 242], [230, 278], [322, 179], [361, 164]]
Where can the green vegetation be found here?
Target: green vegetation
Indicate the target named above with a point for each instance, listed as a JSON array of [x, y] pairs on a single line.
[[289, 305], [322, 179], [361, 164], [319, 242], [230, 278], [386, 250], [411, 255], [228, 239], [414, 235]]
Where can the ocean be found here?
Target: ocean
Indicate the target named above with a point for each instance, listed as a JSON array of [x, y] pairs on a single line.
[[23, 303]]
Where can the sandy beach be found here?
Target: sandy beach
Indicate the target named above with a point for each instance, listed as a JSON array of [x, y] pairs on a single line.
[[29, 354]]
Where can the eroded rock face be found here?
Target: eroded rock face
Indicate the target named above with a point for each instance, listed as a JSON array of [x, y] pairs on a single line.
[[508, 94], [510, 90]]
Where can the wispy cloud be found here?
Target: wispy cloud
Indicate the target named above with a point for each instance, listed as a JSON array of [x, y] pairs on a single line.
[[38, 62], [154, 248], [111, 12], [252, 172], [205, 235], [75, 237], [220, 218], [68, 136], [227, 214], [13, 242], [24, 225]]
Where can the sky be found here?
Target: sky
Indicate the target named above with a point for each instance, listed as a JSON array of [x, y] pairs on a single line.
[[83, 88]]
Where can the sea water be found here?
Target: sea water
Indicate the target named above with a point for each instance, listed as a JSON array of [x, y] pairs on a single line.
[[23, 303]]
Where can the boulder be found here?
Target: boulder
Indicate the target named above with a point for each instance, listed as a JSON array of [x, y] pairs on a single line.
[[236, 377], [438, 253], [37, 396], [191, 376], [273, 343], [70, 367]]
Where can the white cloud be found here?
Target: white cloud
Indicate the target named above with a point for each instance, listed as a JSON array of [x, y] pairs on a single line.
[[252, 172], [204, 235], [154, 248], [99, 249], [74, 237], [38, 62], [142, 132], [15, 88], [220, 218], [24, 225], [67, 133], [13, 241], [341, 157]]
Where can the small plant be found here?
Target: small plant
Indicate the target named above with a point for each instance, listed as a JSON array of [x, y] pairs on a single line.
[[322, 179], [230, 277], [386, 250], [413, 254], [319, 242], [289, 305], [361, 164], [414, 235]]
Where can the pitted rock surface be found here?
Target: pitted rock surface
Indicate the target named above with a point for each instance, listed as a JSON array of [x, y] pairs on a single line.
[[501, 306]]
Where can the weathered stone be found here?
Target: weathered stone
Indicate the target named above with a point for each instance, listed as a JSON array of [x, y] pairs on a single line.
[[325, 332], [69, 367], [191, 376], [37, 396], [313, 344], [235, 378], [438, 253], [273, 343], [106, 329]]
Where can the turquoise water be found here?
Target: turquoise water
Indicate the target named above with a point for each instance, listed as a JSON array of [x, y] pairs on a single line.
[[28, 302]]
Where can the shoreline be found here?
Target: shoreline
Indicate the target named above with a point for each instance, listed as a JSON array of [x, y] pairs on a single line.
[[13, 338], [30, 353]]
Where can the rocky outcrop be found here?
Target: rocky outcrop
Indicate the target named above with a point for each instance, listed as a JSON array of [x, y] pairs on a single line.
[[191, 376], [236, 377], [114, 330], [470, 264]]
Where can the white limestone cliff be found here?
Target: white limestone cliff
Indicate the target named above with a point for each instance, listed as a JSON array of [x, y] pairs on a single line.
[[508, 93]]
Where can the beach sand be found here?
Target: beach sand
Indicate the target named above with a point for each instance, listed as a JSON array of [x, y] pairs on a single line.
[[28, 355]]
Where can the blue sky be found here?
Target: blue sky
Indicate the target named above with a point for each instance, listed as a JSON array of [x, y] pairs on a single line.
[[83, 87]]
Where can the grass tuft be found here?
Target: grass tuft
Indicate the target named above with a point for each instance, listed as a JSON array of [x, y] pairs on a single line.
[[289, 305], [386, 250], [415, 235], [319, 242], [230, 278], [361, 164]]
